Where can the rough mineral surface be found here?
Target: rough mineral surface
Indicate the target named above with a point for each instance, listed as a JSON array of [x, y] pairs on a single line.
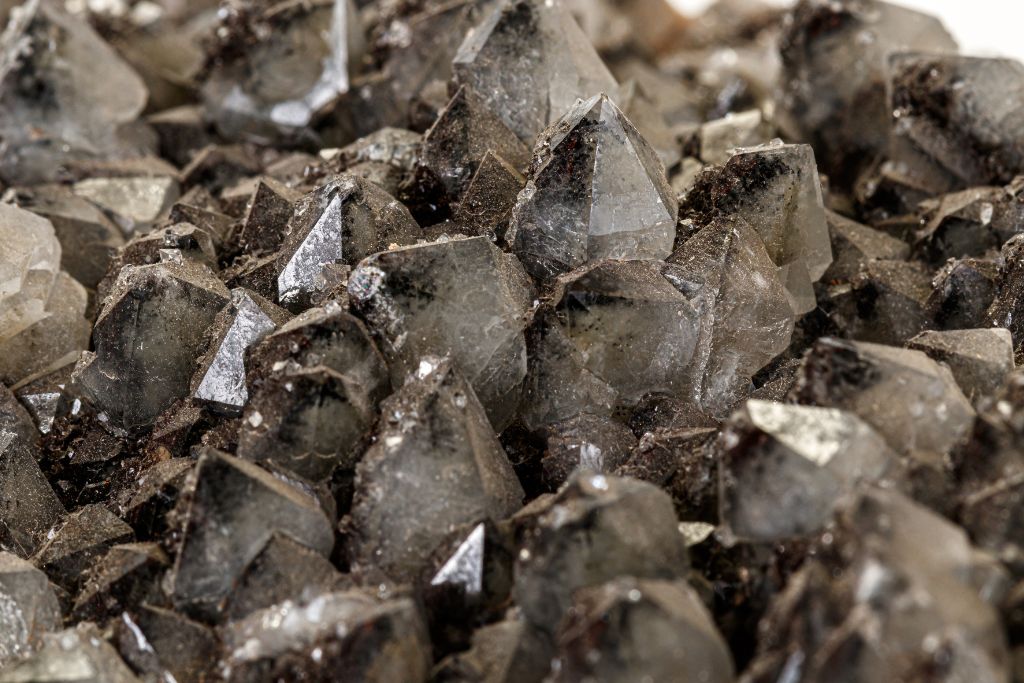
[[509, 341]]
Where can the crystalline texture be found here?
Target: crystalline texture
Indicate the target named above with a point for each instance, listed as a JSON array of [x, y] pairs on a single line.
[[28, 608], [911, 400], [597, 191], [956, 120], [980, 360], [595, 529], [776, 189], [785, 467], [628, 630], [76, 654], [462, 298], [531, 62], [300, 64], [28, 505], [342, 222], [245, 321], [745, 316], [147, 339], [834, 75], [233, 509], [434, 430], [48, 51]]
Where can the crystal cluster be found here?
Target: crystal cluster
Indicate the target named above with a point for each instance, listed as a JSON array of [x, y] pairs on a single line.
[[508, 341]]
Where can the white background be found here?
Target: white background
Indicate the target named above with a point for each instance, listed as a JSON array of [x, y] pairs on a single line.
[[982, 27]]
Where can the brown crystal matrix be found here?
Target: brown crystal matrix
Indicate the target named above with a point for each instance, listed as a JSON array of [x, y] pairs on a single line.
[[508, 341]]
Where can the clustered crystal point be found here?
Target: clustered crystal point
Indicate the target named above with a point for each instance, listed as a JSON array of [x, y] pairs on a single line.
[[508, 341]]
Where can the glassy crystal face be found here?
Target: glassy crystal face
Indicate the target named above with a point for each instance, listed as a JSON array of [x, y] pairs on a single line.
[[342, 222], [349, 634], [784, 467], [461, 298], [53, 109], [630, 525], [955, 124], [531, 62], [249, 504], [147, 338], [908, 398], [42, 308], [597, 190], [776, 189], [301, 62], [981, 360], [833, 86], [433, 430], [913, 577], [28, 505], [647, 628], [28, 605], [74, 654]]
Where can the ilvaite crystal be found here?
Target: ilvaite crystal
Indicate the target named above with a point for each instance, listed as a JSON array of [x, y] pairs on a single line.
[[463, 298], [597, 190], [531, 62]]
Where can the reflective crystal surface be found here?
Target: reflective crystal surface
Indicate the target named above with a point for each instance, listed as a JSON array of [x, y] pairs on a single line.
[[433, 430], [597, 190], [785, 467], [28, 608], [469, 302], [531, 61], [980, 360]]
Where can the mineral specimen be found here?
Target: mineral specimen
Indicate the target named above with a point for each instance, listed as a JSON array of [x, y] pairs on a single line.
[[531, 62], [461, 298], [302, 64], [342, 222], [433, 430], [233, 508], [980, 360], [785, 467], [147, 338], [52, 108], [597, 190], [28, 605]]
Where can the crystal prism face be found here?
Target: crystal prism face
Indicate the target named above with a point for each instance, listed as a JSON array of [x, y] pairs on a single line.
[[585, 443], [342, 222], [595, 529], [619, 330], [465, 567], [135, 202], [85, 536], [433, 430], [486, 206], [51, 109], [161, 643], [461, 298], [531, 62], [128, 574], [641, 628], [503, 652], [981, 360], [28, 605], [42, 308], [78, 654], [834, 59], [233, 509], [912, 576], [855, 245], [147, 338], [744, 312], [954, 118], [776, 189], [300, 63], [465, 131], [785, 468], [347, 633], [886, 302], [244, 322], [908, 398], [597, 191], [28, 505]]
